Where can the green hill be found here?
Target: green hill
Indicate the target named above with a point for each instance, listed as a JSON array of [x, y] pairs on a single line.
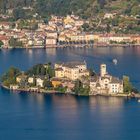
[[84, 8]]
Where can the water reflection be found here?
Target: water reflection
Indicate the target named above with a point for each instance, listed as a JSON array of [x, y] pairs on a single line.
[[74, 103], [50, 116], [51, 51]]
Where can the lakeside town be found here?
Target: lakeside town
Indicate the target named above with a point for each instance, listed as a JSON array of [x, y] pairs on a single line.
[[70, 77], [59, 32]]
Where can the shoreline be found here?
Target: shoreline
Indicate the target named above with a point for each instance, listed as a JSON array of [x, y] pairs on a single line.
[[75, 46], [137, 96]]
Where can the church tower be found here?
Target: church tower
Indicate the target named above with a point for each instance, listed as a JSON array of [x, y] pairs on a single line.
[[103, 70]]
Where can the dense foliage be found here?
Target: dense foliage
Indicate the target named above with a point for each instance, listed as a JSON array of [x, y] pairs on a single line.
[[127, 84], [41, 69], [85, 8], [9, 77], [1, 43], [79, 89], [13, 42]]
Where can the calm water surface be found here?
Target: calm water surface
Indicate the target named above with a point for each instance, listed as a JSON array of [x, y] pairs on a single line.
[[62, 117]]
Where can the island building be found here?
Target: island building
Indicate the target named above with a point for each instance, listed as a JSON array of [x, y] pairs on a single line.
[[25, 80], [71, 70], [40, 81], [21, 78], [105, 83], [31, 80], [64, 82]]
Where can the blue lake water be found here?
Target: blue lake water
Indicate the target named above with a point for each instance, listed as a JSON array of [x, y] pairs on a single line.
[[56, 117]]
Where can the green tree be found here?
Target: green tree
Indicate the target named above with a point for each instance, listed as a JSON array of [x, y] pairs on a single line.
[[47, 84], [19, 13], [127, 84], [61, 89], [1, 43], [10, 76], [92, 72], [78, 86], [13, 42], [85, 27], [43, 71], [50, 72]]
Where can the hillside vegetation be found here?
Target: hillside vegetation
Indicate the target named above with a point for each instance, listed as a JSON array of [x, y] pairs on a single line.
[[84, 8]]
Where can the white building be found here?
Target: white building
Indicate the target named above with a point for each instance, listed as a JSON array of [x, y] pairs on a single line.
[[51, 41], [39, 82], [105, 83], [14, 87]]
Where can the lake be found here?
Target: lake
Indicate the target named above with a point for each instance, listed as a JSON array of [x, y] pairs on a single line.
[[55, 117]]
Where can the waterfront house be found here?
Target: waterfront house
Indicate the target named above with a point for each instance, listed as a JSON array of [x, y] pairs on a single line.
[[30, 80], [50, 41], [115, 38], [40, 81], [135, 39], [14, 87], [21, 78], [64, 82]]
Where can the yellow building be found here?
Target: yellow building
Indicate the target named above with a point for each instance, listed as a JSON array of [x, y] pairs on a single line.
[[84, 37], [68, 20], [71, 70], [21, 78], [56, 82], [59, 72]]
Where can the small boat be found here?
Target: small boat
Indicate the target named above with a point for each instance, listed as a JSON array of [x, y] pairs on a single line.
[[115, 61], [139, 100]]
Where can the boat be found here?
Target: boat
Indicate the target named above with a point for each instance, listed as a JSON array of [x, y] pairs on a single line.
[[115, 61], [139, 100]]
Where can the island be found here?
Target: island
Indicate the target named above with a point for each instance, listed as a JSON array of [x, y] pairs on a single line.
[[67, 78]]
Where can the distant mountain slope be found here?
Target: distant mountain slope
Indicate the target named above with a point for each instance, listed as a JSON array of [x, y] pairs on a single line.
[[84, 8]]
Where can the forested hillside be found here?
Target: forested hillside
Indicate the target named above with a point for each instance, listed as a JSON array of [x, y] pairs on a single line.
[[88, 8], [84, 8]]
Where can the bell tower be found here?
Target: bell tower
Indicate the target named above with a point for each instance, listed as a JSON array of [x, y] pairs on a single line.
[[103, 70]]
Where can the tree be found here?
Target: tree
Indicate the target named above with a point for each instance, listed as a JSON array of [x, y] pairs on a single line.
[[85, 27], [37, 70], [19, 13], [108, 28], [80, 89], [1, 43], [61, 89], [43, 71], [127, 84], [13, 42], [50, 72], [91, 72], [47, 83], [10, 76], [78, 86]]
